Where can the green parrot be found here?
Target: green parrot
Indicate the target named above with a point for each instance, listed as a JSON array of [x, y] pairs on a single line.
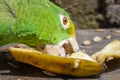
[[35, 23], [44, 26]]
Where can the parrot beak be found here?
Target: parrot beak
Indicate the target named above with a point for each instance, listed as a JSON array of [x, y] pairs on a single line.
[[74, 44], [63, 48]]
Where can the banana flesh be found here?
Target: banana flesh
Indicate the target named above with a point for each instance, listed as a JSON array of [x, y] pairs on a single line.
[[57, 64]]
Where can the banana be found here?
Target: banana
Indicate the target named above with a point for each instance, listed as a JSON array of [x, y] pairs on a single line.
[[110, 51], [77, 64], [56, 64]]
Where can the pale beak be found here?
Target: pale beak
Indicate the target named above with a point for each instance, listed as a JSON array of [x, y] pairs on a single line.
[[64, 48], [74, 44]]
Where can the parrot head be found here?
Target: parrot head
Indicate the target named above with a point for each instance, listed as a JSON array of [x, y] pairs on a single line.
[[63, 35], [67, 43]]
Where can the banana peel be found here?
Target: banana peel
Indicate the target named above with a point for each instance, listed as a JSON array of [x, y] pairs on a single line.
[[56, 64], [78, 64], [109, 52]]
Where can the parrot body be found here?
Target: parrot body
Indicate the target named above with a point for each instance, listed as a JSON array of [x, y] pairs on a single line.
[[40, 22]]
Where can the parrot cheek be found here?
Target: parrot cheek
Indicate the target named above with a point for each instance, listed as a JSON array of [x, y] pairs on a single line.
[[63, 49]]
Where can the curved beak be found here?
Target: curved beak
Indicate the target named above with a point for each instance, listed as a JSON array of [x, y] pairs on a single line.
[[74, 44], [63, 48]]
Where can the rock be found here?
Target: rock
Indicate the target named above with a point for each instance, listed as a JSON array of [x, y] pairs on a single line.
[[100, 30], [86, 43], [116, 31], [107, 37], [97, 39], [113, 11]]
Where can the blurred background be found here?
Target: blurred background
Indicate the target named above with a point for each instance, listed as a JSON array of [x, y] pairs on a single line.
[[87, 14]]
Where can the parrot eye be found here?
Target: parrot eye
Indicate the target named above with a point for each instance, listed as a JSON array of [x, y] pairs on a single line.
[[64, 21]]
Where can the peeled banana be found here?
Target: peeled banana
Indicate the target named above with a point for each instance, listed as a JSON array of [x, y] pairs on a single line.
[[57, 64], [78, 64]]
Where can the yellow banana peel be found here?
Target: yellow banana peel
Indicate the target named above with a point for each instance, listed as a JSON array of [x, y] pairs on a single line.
[[57, 64], [78, 64]]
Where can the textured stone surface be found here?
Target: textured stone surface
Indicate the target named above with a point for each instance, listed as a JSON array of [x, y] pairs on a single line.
[[27, 72], [113, 11]]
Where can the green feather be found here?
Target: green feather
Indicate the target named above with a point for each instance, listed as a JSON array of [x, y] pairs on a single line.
[[32, 22]]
